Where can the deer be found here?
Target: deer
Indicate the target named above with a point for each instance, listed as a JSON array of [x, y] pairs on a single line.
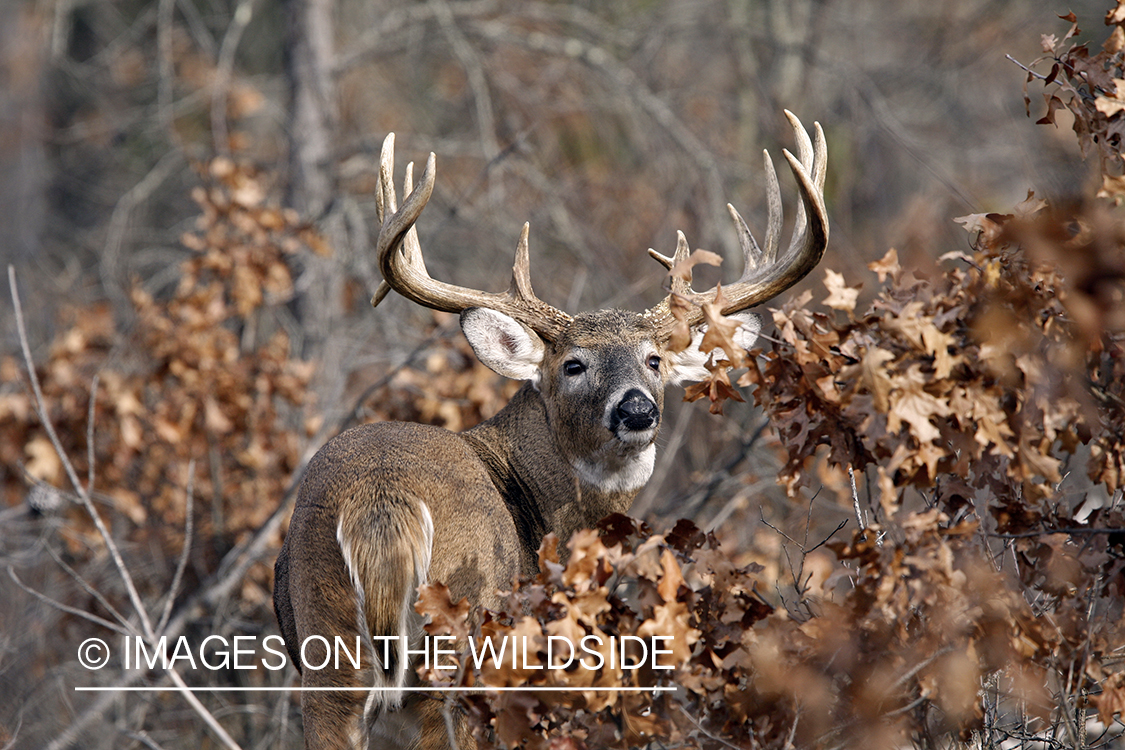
[[384, 508]]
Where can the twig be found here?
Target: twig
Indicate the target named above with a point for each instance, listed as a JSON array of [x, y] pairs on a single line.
[[90, 435], [189, 526], [232, 569], [67, 608], [793, 729], [855, 500], [447, 715], [203, 38], [393, 24], [89, 589], [705, 733], [208, 718], [630, 84], [144, 739], [1077, 531], [907, 708], [15, 733], [781, 533], [90, 421], [919, 667], [73, 734], [800, 582], [223, 67], [351, 416], [826, 539], [474, 72], [119, 220], [166, 73], [1029, 71]]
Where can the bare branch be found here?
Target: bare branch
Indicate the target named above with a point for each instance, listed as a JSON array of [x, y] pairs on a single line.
[[855, 500], [631, 85], [470, 60], [189, 525], [144, 739], [15, 733], [204, 714], [703, 731], [67, 608], [119, 221], [223, 67], [90, 435], [89, 589], [165, 79], [83, 495], [1028, 70]]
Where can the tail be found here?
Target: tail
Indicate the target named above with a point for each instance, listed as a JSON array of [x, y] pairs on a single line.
[[387, 547]]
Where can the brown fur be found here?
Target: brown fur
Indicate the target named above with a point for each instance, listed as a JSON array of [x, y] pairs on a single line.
[[492, 492]]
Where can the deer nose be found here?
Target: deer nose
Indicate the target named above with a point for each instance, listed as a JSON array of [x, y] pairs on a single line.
[[636, 411]]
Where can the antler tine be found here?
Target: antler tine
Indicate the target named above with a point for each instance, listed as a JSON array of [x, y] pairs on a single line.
[[411, 248], [807, 155], [661, 258], [404, 269], [776, 212], [521, 268], [681, 284], [751, 252], [764, 276], [678, 285]]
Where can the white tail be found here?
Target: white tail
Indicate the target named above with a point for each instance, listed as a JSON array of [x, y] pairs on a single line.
[[385, 507]]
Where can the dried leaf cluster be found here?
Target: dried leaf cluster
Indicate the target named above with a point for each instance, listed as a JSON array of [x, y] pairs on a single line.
[[718, 339], [977, 384], [1091, 86], [621, 580], [897, 648], [199, 374]]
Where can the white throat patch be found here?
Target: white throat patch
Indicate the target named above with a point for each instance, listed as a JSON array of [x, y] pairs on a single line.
[[626, 476]]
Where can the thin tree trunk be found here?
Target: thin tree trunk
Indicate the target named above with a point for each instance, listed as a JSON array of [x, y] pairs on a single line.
[[313, 129], [312, 104]]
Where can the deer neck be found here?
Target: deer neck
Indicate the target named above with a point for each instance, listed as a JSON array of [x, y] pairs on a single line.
[[544, 490]]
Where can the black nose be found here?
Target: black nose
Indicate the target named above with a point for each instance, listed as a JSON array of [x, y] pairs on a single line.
[[636, 411]]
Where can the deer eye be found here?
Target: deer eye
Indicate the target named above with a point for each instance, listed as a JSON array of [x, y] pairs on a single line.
[[654, 362], [573, 367]]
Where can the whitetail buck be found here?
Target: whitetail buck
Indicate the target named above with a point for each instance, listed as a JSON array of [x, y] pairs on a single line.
[[387, 507]]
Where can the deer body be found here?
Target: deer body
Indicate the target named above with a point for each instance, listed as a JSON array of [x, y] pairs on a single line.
[[567, 450], [385, 508]]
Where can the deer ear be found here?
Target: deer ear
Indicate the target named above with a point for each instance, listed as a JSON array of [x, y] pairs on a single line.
[[689, 364], [503, 344]]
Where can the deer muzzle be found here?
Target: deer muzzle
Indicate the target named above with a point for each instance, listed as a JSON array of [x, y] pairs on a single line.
[[636, 412]]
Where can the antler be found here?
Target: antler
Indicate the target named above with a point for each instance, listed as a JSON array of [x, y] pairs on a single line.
[[404, 270], [764, 276]]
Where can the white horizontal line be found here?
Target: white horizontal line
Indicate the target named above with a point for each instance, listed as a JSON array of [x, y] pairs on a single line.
[[134, 689]]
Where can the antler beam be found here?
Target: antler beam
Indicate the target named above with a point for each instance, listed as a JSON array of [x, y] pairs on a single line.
[[404, 269]]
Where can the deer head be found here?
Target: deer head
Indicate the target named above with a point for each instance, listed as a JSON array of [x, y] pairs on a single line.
[[519, 336]]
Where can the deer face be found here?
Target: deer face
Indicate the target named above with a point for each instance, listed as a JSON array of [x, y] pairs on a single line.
[[602, 384]]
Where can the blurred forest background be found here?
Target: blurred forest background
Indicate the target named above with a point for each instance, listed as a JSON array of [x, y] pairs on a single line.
[[188, 193]]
